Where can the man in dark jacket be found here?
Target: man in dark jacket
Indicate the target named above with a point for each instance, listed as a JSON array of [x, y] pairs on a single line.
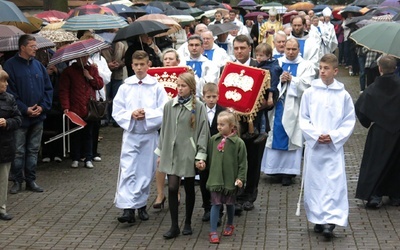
[[31, 87], [10, 120], [379, 105]]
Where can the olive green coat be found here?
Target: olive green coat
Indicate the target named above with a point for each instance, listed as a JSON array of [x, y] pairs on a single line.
[[226, 166], [180, 145]]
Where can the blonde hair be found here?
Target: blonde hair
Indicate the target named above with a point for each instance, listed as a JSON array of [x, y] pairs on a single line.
[[210, 87], [231, 118], [3, 76], [188, 78]]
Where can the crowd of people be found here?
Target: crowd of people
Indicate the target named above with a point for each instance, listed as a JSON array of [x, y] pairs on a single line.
[[305, 112]]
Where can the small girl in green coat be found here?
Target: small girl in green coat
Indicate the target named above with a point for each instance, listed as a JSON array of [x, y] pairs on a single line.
[[227, 161]]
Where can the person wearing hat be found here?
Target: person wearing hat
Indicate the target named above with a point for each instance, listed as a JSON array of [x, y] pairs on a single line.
[[328, 35], [269, 28]]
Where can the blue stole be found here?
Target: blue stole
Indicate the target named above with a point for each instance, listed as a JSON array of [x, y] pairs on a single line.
[[223, 45], [209, 54], [280, 138], [301, 43], [196, 66], [276, 56]]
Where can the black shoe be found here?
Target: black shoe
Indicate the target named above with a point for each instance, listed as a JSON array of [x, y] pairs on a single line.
[[374, 202], [286, 181], [172, 233], [5, 216], [248, 205], [127, 216], [328, 230], [394, 201], [187, 230], [15, 188], [206, 215], [318, 228], [32, 186], [238, 209], [142, 213]]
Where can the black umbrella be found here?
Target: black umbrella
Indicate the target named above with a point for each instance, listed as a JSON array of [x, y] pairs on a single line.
[[221, 28], [161, 5], [180, 5], [363, 3], [125, 11], [137, 28], [175, 13], [194, 12], [206, 2]]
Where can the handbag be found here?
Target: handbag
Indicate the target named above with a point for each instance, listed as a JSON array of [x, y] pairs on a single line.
[[97, 109]]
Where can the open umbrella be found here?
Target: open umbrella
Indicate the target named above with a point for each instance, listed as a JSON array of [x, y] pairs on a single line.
[[11, 43], [108, 2], [253, 15], [152, 10], [392, 3], [336, 12], [194, 12], [54, 26], [301, 6], [382, 37], [170, 22], [320, 8], [58, 36], [363, 3], [247, 3], [125, 11], [206, 2], [9, 12], [78, 49], [161, 5], [91, 9], [355, 10], [137, 28], [286, 17], [221, 28], [9, 30], [50, 15], [95, 22], [180, 5]]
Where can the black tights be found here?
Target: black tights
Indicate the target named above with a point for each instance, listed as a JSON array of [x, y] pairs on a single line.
[[173, 189]]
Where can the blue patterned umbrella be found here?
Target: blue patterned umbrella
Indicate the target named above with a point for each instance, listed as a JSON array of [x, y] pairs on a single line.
[[95, 22]]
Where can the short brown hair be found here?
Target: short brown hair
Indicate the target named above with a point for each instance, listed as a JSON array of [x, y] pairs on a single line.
[[139, 55], [264, 48], [24, 40], [387, 64], [330, 59], [241, 39], [210, 87]]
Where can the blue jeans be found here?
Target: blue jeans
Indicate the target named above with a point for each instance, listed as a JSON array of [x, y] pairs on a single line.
[[27, 142]]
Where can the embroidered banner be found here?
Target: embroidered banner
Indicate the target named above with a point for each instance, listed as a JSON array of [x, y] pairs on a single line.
[[167, 76], [242, 88]]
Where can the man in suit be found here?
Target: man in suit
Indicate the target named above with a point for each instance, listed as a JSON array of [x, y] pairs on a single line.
[[255, 30], [242, 48], [210, 96]]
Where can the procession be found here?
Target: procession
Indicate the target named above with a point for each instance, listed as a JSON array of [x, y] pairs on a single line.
[[200, 125]]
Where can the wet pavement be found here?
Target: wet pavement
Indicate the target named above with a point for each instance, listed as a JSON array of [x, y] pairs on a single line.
[[76, 211]]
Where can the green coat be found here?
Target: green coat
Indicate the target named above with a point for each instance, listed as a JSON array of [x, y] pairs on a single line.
[[226, 166], [179, 145]]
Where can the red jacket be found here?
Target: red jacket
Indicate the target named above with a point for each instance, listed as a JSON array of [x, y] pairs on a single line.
[[76, 91]]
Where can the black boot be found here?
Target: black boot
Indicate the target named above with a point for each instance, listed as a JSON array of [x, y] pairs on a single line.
[[173, 232], [15, 188], [187, 230], [127, 216], [142, 213], [33, 186], [328, 230]]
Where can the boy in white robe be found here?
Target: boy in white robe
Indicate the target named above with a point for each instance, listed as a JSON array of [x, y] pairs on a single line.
[[138, 109], [327, 120]]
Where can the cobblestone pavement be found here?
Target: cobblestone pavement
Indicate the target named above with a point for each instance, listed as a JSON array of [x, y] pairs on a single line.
[[76, 211]]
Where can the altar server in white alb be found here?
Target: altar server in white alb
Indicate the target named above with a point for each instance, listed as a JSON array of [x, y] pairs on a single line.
[[282, 154], [327, 120], [138, 109]]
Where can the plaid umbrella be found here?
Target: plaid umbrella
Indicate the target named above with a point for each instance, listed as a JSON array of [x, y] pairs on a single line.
[[78, 49], [91, 9], [95, 22], [9, 30], [11, 43]]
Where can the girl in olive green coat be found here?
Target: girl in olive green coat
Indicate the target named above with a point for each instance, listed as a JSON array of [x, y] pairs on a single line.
[[182, 147]]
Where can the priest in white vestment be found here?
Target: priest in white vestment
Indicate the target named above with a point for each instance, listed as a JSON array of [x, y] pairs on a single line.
[[327, 120], [329, 41], [138, 109], [282, 154]]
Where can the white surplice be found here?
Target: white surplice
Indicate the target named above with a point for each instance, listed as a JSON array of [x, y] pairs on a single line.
[[326, 110], [276, 161], [140, 138], [328, 37]]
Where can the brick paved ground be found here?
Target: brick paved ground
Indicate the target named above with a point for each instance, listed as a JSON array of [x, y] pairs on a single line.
[[76, 212]]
